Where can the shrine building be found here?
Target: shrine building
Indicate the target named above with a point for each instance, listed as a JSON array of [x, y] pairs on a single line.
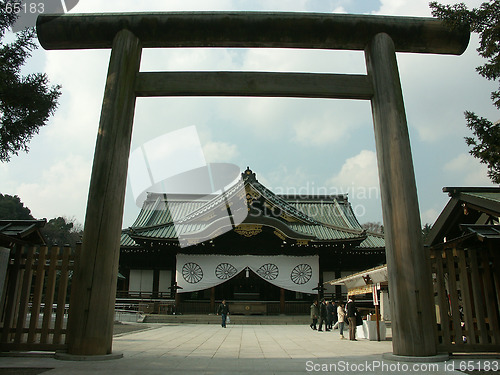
[[264, 253]]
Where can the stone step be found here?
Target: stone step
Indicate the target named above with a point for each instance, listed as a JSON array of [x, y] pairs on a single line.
[[235, 319]]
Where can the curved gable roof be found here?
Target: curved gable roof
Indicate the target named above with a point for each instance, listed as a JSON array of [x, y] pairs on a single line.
[[166, 217], [466, 206]]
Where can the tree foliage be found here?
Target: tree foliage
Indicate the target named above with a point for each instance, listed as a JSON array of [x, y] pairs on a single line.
[[61, 231], [58, 231], [375, 227], [426, 229], [486, 145], [485, 20], [26, 102], [11, 208]]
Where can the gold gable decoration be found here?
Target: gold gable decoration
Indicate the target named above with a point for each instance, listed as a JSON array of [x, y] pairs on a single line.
[[251, 196], [248, 230], [288, 218], [279, 235]]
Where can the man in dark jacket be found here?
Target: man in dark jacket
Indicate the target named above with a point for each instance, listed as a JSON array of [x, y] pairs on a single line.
[[351, 316], [223, 310], [329, 315], [322, 316]]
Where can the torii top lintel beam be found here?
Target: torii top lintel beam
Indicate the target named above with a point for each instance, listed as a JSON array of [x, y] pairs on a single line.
[[250, 29]]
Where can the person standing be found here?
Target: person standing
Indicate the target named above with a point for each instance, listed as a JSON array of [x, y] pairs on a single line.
[[322, 316], [314, 314], [341, 319], [329, 315], [223, 310], [334, 314], [351, 316]]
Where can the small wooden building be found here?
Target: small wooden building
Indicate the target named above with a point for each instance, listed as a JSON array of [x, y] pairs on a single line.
[[370, 288], [465, 259], [21, 232], [274, 261]]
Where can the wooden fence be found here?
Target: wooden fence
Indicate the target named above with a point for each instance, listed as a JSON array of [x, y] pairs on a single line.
[[467, 292], [35, 298]]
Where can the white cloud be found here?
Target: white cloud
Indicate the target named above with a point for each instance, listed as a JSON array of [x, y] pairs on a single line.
[[82, 75], [438, 89], [292, 132], [429, 216], [360, 171], [358, 177], [86, 6], [188, 59], [5, 179], [61, 191], [285, 180], [415, 7], [404, 8], [320, 131], [219, 152], [328, 122], [339, 9], [467, 170]]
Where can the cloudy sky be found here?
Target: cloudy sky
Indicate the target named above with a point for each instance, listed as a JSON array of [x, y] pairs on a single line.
[[293, 145]]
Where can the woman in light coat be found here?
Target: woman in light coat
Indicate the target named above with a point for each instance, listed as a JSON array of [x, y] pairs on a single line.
[[314, 314], [341, 316]]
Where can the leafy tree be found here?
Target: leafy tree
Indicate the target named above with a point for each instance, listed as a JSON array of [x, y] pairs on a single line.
[[426, 229], [11, 208], [61, 231], [26, 102], [485, 21], [375, 227]]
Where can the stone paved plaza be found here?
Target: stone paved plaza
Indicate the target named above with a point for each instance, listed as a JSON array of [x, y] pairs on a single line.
[[239, 349]]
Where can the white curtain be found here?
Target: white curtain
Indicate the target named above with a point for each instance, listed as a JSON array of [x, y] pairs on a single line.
[[198, 272]]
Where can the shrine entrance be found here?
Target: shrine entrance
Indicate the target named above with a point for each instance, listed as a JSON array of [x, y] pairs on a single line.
[[94, 282]]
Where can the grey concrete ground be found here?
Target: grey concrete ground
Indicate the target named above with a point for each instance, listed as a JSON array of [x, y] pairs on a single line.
[[239, 349]]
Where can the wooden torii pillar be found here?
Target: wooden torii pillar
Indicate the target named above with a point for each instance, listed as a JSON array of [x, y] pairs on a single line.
[[94, 283]]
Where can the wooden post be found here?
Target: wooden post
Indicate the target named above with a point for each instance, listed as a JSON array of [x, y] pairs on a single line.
[[338, 288], [177, 302], [212, 299], [282, 301], [156, 283], [410, 281], [90, 325], [377, 318]]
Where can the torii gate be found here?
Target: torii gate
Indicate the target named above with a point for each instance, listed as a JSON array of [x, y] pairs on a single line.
[[90, 326]]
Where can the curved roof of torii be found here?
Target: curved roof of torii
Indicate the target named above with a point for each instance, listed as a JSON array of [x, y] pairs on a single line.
[[316, 219]]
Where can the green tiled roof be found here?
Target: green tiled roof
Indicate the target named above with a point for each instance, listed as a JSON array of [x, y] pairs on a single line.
[[170, 231], [327, 210], [127, 241], [320, 218], [156, 211], [373, 241], [495, 197]]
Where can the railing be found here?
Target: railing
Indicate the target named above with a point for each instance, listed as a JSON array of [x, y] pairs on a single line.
[[34, 308], [272, 308], [132, 294], [195, 307]]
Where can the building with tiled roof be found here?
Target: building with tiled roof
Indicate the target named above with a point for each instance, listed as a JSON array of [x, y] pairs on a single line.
[[255, 248], [21, 232]]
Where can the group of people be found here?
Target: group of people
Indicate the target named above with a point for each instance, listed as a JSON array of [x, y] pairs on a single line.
[[333, 314]]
